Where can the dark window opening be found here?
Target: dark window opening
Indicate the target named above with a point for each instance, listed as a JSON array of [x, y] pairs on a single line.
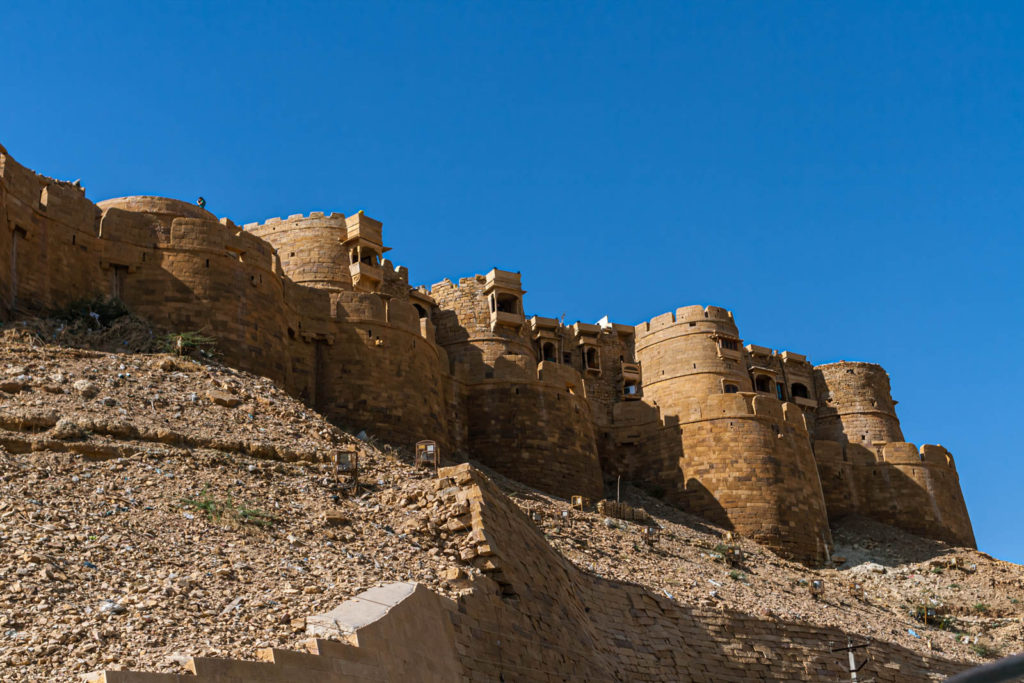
[[730, 344], [548, 352], [731, 389], [763, 383], [422, 311], [369, 258], [567, 358], [799, 390], [291, 333], [631, 389], [207, 263], [590, 358], [74, 239], [507, 303], [780, 392]]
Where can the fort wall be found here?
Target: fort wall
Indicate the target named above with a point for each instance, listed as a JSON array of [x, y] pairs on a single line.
[[855, 404], [529, 421], [311, 248], [897, 483], [676, 404], [693, 352], [745, 461]]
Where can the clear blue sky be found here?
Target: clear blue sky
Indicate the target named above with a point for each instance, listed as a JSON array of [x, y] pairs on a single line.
[[845, 179]]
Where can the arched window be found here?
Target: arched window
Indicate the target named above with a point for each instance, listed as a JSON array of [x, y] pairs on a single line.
[[799, 390], [731, 389], [763, 383]]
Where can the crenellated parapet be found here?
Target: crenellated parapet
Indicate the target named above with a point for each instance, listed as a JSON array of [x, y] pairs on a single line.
[[695, 351], [897, 483]]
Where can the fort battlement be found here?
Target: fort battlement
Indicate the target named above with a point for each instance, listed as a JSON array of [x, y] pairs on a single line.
[[684, 315], [676, 402]]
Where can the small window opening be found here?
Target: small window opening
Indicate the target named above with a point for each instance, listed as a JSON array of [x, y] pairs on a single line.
[[631, 389], [730, 344], [590, 356], [507, 303], [548, 352], [567, 358], [780, 392], [799, 390], [74, 239], [731, 389], [207, 263], [422, 311], [763, 383]]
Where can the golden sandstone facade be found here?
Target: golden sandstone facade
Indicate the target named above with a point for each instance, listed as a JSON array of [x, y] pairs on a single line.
[[756, 440]]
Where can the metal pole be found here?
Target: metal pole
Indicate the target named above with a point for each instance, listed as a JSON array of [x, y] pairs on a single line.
[[618, 488]]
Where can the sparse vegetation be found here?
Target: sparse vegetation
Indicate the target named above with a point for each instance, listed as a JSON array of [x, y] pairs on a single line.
[[981, 608], [95, 313], [985, 651], [227, 510], [736, 575], [936, 570], [188, 343]]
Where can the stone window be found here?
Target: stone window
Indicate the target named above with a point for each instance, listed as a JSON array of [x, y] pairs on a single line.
[[631, 388], [763, 383], [780, 392], [731, 389], [548, 352], [799, 390], [508, 303], [422, 311], [730, 344], [590, 359]]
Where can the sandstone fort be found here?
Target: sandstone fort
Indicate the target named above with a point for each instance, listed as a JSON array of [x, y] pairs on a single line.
[[758, 440]]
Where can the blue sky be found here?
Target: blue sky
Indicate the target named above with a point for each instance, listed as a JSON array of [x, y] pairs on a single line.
[[846, 179]]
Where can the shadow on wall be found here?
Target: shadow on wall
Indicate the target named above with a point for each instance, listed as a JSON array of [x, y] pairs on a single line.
[[700, 501]]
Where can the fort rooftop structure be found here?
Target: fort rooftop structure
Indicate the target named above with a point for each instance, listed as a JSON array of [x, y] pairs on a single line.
[[760, 441]]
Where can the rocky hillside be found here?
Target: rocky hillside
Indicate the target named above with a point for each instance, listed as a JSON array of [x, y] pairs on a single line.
[[153, 505]]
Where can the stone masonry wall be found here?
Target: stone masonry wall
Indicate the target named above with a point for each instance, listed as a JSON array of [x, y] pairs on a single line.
[[412, 364], [530, 615], [855, 404]]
